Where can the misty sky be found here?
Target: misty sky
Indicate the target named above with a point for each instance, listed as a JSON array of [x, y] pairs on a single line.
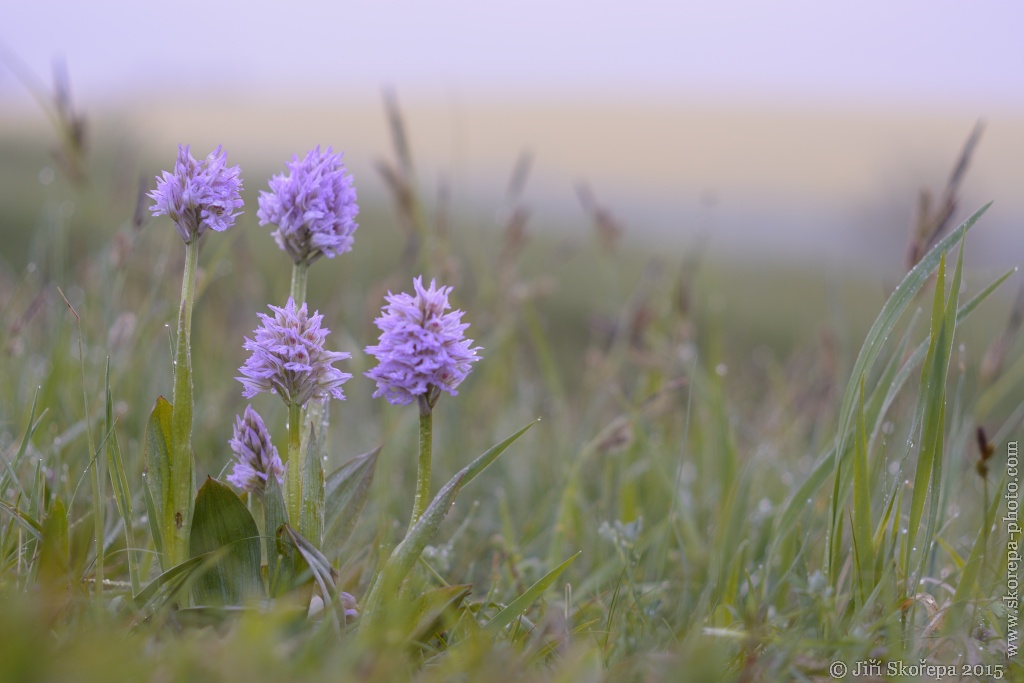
[[909, 51]]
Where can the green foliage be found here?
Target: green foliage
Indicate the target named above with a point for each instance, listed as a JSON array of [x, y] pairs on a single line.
[[311, 519], [346, 492], [158, 472], [220, 521]]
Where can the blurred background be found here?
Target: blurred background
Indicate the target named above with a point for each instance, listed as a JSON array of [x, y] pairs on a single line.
[[796, 130]]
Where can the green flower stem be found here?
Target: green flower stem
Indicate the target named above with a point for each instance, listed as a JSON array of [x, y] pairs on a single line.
[[293, 466], [423, 469], [300, 273], [316, 410], [178, 510], [296, 415]]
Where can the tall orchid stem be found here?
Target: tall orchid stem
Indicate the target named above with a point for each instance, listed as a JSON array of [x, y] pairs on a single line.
[[423, 468], [316, 410], [296, 415], [178, 508], [293, 467]]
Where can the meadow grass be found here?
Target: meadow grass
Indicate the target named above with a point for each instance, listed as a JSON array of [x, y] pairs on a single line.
[[708, 495]]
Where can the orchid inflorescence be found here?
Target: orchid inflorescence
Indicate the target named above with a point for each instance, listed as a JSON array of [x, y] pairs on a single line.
[[422, 350]]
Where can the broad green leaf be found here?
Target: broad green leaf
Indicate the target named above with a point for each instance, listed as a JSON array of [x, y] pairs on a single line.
[[347, 489], [158, 467], [520, 604], [221, 520], [311, 519]]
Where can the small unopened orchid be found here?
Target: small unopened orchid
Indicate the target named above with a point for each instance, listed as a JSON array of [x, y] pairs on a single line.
[[256, 457]]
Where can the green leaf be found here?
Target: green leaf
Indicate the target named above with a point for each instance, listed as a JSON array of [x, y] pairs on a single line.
[[53, 552], [221, 520], [346, 492], [933, 393], [877, 336], [30, 525], [153, 515], [825, 464], [969, 577], [122, 492], [158, 467], [407, 553], [280, 576], [861, 523], [165, 586], [323, 573], [519, 605], [9, 475], [433, 611], [311, 518]]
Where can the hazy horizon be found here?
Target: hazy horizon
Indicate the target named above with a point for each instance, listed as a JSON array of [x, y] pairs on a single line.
[[803, 125]]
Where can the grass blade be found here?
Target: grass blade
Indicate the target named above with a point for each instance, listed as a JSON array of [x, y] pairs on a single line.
[[519, 605], [894, 307], [122, 492]]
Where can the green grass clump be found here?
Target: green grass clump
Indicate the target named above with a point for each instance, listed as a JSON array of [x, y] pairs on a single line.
[[692, 505]]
